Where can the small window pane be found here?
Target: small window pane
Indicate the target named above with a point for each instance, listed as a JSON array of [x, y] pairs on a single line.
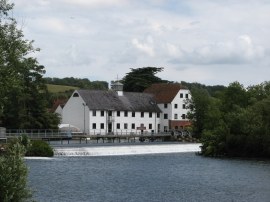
[[102, 126]]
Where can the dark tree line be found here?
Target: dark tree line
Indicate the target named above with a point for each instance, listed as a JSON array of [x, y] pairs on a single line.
[[236, 122], [77, 82]]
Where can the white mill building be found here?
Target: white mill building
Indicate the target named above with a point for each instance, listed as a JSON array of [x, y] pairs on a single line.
[[118, 112]]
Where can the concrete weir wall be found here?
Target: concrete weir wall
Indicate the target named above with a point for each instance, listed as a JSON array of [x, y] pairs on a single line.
[[127, 149]]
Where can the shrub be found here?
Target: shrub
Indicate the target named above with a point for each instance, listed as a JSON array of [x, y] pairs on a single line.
[[13, 174], [25, 141], [40, 148]]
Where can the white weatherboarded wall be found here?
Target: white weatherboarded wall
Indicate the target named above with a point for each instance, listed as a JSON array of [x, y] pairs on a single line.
[[75, 113]]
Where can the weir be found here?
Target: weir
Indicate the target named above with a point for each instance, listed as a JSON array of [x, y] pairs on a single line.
[[126, 149]]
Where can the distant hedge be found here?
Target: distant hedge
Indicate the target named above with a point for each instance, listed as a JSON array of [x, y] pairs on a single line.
[[39, 148]]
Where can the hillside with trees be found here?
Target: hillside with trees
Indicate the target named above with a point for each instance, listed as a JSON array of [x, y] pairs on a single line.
[[77, 82], [60, 89]]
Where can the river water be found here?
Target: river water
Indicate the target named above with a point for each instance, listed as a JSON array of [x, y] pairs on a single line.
[[155, 176]]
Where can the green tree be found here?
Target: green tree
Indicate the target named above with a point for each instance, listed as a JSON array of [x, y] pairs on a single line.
[[22, 87], [139, 79], [198, 107], [234, 96], [13, 175]]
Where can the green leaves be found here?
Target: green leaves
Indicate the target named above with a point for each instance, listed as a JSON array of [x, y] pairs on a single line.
[[13, 175], [234, 123], [139, 79], [22, 87]]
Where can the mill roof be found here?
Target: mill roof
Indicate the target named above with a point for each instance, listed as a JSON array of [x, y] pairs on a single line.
[[164, 92], [109, 100]]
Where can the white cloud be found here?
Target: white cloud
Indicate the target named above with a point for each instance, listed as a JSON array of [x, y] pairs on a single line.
[[95, 3], [144, 47], [192, 40], [237, 51]]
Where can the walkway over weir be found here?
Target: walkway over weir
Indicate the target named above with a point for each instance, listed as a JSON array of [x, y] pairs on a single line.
[[57, 135]]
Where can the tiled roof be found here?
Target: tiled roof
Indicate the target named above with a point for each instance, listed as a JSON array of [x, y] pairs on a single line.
[[58, 102], [109, 100], [164, 92]]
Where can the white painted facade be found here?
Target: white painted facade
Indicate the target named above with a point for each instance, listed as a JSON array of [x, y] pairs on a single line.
[[174, 111], [59, 111], [122, 122], [77, 113]]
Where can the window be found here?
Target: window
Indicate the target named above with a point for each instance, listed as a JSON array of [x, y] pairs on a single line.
[[118, 125], [109, 113], [186, 95], [75, 95], [133, 114], [125, 113], [118, 113], [184, 106], [183, 116], [158, 115], [175, 106], [125, 126], [142, 114], [133, 126], [165, 128], [165, 105], [94, 113], [94, 126], [102, 126], [175, 116], [101, 113], [150, 125], [181, 95], [150, 114], [165, 116]]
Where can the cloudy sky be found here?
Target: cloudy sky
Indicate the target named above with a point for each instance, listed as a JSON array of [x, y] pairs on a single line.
[[206, 41]]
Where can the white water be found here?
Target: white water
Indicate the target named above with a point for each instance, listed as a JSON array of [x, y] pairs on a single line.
[[38, 158], [126, 150]]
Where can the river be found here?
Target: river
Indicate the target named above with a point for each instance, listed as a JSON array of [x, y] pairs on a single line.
[[151, 176]]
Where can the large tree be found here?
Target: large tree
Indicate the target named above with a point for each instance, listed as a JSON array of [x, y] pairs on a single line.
[[139, 79], [234, 123], [22, 87]]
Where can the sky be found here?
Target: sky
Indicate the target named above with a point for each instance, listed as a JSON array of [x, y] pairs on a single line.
[[213, 42]]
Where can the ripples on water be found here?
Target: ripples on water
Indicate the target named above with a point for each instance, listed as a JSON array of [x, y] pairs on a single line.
[[155, 177]]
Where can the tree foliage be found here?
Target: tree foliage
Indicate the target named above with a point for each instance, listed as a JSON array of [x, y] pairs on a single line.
[[139, 79], [22, 87], [13, 175], [81, 83], [234, 123]]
